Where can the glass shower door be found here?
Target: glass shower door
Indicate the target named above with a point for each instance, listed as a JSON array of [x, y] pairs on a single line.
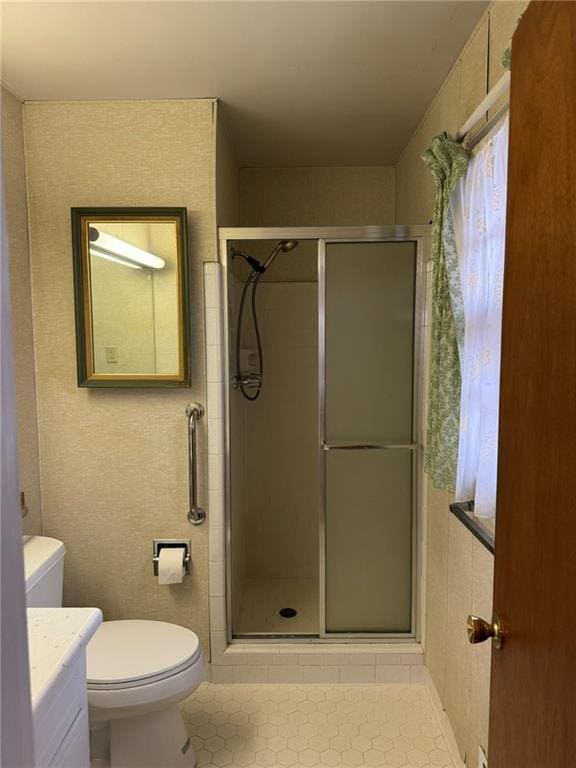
[[368, 434]]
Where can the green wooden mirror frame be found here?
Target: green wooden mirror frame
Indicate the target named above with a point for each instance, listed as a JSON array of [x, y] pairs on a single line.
[[82, 218]]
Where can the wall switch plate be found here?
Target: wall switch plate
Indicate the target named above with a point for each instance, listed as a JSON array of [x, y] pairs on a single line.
[[111, 354], [482, 759]]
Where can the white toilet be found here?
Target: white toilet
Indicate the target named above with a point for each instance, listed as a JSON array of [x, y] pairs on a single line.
[[137, 672]]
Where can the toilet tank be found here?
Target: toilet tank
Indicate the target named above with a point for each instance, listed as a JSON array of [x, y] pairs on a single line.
[[44, 571]]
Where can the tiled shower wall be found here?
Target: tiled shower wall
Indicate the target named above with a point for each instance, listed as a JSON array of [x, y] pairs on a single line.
[[281, 447], [215, 423], [274, 448], [238, 412]]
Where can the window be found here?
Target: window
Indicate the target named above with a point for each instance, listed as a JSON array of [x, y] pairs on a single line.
[[479, 212]]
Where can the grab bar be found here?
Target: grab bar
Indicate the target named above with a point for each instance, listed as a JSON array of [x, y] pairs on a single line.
[[194, 412]]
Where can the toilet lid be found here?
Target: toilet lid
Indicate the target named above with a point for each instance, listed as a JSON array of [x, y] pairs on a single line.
[[137, 652]]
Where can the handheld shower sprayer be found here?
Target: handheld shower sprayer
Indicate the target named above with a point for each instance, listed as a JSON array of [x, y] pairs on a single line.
[[283, 246], [254, 380]]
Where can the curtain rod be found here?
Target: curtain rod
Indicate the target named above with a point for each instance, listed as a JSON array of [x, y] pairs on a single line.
[[501, 87], [488, 127]]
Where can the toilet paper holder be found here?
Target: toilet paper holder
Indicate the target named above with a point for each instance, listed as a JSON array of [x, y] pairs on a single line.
[[159, 544]]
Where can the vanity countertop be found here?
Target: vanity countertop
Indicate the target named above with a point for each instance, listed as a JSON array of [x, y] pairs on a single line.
[[55, 635]]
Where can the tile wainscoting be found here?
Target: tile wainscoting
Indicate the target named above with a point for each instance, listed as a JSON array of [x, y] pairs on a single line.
[[314, 663]]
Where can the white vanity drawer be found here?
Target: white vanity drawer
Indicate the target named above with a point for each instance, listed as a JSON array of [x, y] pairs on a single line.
[[54, 716]]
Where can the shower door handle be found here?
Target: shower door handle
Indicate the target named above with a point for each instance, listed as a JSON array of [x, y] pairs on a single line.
[[368, 446]]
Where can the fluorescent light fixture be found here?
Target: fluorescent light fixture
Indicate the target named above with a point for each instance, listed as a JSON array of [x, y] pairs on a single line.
[[111, 248]]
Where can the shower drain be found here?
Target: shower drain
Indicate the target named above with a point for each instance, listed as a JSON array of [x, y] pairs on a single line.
[[287, 613]]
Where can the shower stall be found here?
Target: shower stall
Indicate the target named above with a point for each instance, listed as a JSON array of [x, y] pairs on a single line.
[[324, 341]]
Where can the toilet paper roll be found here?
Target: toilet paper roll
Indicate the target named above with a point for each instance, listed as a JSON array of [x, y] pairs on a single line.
[[171, 565]]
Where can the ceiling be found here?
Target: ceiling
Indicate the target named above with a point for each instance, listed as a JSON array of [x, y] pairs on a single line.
[[301, 83]]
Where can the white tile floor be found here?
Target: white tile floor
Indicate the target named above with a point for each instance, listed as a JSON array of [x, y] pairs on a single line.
[[263, 598], [315, 726]]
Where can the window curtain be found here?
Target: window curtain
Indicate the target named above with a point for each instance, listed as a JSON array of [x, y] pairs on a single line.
[[447, 161], [16, 748], [479, 211]]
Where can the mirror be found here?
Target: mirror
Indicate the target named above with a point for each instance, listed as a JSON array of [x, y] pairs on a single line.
[[131, 291]]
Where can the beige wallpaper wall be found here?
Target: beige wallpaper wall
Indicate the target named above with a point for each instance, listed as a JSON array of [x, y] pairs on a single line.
[[17, 229], [227, 177], [459, 572], [114, 462], [306, 197]]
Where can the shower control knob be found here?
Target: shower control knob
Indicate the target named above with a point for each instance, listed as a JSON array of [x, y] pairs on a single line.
[[249, 381]]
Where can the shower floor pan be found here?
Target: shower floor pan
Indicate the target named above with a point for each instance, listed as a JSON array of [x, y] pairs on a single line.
[[263, 600]]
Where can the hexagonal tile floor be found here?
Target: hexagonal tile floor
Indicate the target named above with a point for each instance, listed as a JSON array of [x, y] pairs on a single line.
[[315, 726]]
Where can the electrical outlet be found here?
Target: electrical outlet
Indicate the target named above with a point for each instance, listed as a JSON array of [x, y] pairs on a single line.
[[482, 759]]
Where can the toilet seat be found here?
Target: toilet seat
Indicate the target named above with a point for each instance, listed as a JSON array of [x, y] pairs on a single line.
[[133, 653]]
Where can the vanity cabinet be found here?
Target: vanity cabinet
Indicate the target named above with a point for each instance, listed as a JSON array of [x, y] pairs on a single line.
[[57, 646]]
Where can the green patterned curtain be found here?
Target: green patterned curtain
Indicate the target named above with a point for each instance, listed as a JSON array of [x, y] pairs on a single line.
[[447, 161]]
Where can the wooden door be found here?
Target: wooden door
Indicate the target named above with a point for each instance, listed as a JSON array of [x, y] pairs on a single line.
[[533, 696]]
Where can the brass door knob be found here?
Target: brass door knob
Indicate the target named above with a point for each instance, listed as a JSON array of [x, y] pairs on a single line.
[[480, 630]]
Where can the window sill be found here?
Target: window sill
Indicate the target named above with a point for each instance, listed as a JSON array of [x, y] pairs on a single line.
[[464, 511]]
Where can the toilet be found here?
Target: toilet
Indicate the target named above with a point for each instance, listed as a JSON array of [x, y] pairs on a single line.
[[137, 672]]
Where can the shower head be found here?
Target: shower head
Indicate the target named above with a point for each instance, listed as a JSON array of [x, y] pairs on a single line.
[[284, 246], [288, 245]]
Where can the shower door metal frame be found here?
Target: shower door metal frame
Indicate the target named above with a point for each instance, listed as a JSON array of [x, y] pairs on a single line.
[[421, 235]]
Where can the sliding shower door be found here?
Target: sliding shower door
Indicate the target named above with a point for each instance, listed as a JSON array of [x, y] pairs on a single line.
[[368, 436]]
